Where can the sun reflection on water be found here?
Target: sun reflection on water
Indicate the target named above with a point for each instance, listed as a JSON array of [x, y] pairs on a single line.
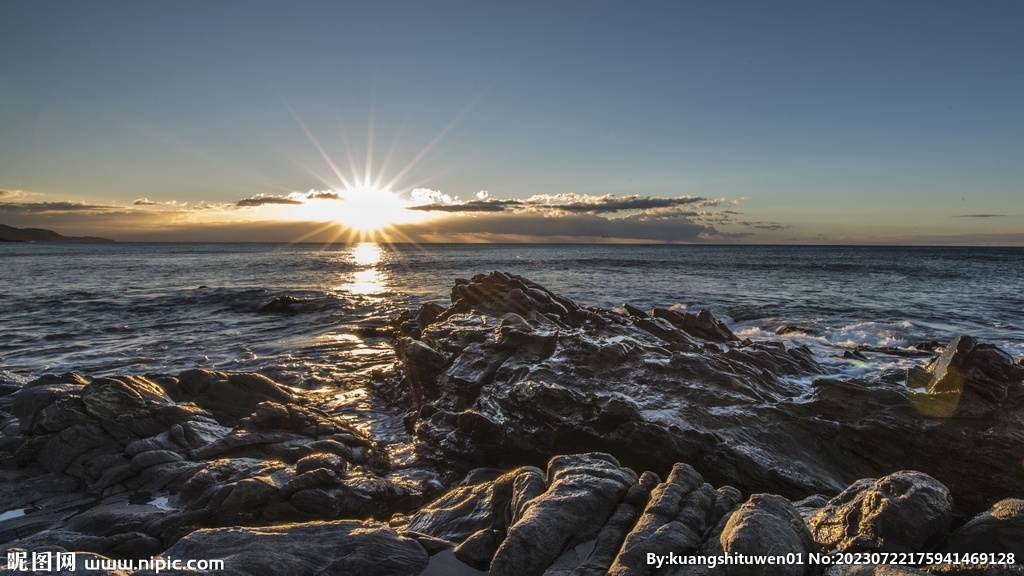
[[368, 280]]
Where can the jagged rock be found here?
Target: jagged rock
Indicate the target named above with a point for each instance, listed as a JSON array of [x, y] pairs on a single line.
[[903, 512], [422, 366], [999, 529], [583, 491], [352, 547], [974, 380], [767, 525]]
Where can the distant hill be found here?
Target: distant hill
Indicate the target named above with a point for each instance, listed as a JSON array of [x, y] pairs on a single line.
[[11, 234]]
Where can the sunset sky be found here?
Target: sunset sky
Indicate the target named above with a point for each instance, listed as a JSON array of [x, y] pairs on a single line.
[[756, 122]]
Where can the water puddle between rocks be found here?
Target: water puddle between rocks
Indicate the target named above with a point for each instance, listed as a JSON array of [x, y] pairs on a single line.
[[12, 514], [445, 563]]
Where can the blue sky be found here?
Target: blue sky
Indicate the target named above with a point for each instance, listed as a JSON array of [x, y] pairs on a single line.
[[815, 122]]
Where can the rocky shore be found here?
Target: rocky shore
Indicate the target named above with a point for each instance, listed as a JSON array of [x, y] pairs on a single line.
[[543, 438]]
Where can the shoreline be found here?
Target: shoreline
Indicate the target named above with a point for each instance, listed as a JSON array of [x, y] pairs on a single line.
[[511, 374]]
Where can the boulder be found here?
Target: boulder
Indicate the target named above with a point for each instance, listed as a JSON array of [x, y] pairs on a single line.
[[999, 529], [904, 512], [767, 525], [973, 380]]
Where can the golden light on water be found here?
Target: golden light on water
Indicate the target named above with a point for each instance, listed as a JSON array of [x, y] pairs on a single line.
[[369, 279]]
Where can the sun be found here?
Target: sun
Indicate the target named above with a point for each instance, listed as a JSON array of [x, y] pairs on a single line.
[[363, 209]]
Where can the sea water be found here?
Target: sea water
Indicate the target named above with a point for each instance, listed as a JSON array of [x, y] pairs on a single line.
[[103, 309]]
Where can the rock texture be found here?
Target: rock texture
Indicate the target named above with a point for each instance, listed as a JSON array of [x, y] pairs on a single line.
[[512, 372]]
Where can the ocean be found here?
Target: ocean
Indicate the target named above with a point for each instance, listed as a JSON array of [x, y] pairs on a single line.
[[103, 309]]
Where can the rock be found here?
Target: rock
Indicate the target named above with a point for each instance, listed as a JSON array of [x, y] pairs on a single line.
[[974, 380], [311, 479], [328, 461], [72, 443], [614, 532], [904, 512], [790, 329], [280, 305], [634, 311], [478, 550], [999, 529], [249, 494], [767, 525], [108, 398], [341, 548], [466, 510], [238, 395], [422, 366], [152, 458], [583, 491], [114, 518]]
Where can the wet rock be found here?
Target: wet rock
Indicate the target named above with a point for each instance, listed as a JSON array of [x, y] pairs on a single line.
[[238, 395], [113, 518], [352, 547], [280, 305], [330, 462], [583, 492], [904, 512], [999, 529], [422, 366], [478, 550], [703, 325], [108, 398], [974, 380], [311, 479], [790, 329], [465, 510], [634, 311], [767, 525]]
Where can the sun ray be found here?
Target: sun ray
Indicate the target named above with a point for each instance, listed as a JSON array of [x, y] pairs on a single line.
[[320, 148]]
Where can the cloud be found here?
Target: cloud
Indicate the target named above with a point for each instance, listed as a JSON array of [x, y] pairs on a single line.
[[261, 199], [314, 195], [146, 202], [434, 201], [41, 207], [609, 203], [10, 193], [981, 216], [470, 206]]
